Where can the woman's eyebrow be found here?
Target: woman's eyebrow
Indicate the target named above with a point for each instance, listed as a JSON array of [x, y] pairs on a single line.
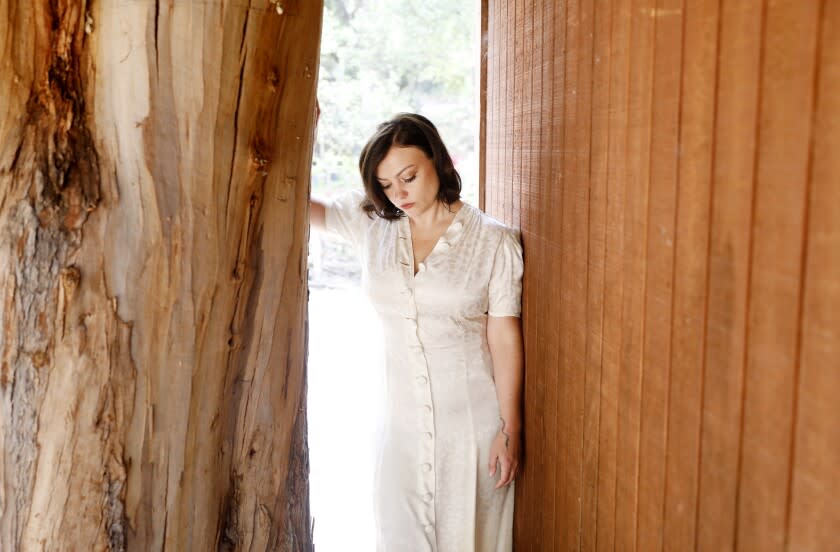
[[399, 173]]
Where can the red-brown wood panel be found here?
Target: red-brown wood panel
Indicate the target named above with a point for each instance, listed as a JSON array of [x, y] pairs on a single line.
[[546, 173], [579, 364], [814, 508], [574, 186], [521, 67], [553, 199], [542, 225], [619, 60], [672, 166], [531, 181], [596, 167], [697, 116], [774, 315], [739, 64], [656, 355], [639, 110]]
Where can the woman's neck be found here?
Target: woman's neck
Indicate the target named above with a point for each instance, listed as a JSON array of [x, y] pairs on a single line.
[[440, 213]]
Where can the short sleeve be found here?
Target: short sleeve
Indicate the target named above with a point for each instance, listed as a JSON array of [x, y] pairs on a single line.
[[345, 217], [505, 288]]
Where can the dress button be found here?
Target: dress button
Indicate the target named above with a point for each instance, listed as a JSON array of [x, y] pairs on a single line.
[[421, 267], [422, 379], [428, 436], [444, 246], [427, 408], [427, 497], [429, 528], [427, 467]]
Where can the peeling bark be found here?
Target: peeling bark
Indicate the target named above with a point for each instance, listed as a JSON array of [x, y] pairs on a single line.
[[152, 271]]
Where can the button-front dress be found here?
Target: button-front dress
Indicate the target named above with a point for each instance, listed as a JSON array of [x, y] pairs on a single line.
[[432, 487]]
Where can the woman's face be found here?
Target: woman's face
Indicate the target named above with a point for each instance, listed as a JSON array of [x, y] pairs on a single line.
[[408, 179]]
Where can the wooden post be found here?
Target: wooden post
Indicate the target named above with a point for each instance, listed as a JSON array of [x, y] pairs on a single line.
[[154, 172]]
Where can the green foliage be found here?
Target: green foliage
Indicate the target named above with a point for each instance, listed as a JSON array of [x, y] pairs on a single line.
[[380, 57]]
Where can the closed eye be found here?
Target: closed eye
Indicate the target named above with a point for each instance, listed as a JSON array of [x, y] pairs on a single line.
[[405, 180]]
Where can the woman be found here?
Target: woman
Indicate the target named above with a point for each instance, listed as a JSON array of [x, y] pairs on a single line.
[[446, 281]]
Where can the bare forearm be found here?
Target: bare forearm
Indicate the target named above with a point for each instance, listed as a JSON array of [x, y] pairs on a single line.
[[504, 336], [317, 213]]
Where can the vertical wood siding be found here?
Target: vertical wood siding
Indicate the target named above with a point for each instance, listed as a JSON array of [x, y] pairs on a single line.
[[673, 166]]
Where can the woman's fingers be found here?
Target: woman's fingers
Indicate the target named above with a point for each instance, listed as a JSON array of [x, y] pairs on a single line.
[[506, 472], [507, 460], [512, 476]]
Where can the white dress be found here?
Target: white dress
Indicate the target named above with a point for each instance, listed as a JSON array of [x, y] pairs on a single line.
[[432, 487]]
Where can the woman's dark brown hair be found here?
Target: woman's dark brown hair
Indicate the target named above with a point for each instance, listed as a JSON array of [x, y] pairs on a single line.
[[405, 130]]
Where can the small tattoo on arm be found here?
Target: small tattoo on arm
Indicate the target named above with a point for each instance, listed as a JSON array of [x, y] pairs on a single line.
[[507, 437]]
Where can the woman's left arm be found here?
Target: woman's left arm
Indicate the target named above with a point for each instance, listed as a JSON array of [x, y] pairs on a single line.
[[504, 336]]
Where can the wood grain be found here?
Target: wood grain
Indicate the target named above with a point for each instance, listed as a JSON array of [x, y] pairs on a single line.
[[691, 254], [813, 513], [668, 164], [153, 188], [778, 237], [659, 279], [619, 59], [596, 166]]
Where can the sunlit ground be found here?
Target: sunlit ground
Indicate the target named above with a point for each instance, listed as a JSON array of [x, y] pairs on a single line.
[[345, 363]]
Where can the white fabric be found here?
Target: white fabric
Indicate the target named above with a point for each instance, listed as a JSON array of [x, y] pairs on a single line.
[[432, 488]]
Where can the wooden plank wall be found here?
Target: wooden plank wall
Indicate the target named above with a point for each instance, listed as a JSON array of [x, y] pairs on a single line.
[[674, 166]]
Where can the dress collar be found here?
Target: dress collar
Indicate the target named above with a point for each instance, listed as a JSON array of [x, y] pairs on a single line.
[[448, 239]]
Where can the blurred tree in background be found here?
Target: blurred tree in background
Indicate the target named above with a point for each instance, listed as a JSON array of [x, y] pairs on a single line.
[[381, 57]]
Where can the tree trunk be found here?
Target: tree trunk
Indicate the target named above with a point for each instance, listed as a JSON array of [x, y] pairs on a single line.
[[154, 171]]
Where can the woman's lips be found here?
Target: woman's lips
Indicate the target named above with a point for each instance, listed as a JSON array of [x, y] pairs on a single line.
[[405, 206]]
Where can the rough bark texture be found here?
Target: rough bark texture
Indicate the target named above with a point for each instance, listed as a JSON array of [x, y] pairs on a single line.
[[154, 168]]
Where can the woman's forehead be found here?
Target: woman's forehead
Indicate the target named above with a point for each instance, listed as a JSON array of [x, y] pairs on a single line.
[[398, 159]]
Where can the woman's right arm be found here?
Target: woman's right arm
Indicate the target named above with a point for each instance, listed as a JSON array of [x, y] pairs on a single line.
[[343, 213], [317, 213]]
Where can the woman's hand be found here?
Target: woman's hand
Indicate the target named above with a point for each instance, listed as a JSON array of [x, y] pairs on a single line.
[[504, 453]]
